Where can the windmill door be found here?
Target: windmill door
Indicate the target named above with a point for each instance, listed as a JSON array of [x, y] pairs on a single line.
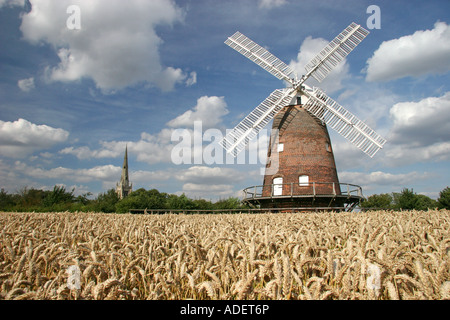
[[278, 186]]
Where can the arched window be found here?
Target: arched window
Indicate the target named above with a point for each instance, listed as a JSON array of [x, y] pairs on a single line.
[[303, 181]]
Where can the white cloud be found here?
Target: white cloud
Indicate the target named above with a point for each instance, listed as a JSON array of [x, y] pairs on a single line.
[[209, 182], [98, 173], [210, 175], [381, 178], [269, 4], [308, 50], [9, 180], [399, 155], [150, 148], [116, 46], [21, 137], [420, 132], [423, 52], [153, 148], [194, 190], [209, 110], [141, 176], [157, 148], [378, 180], [192, 79], [421, 123], [26, 85], [108, 150]]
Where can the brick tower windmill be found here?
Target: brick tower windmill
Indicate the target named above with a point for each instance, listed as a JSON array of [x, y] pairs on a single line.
[[300, 146]]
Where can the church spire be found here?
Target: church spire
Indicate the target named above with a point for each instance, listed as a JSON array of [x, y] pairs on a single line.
[[124, 178], [124, 188]]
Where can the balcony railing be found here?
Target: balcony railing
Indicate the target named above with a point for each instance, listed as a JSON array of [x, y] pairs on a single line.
[[299, 190]]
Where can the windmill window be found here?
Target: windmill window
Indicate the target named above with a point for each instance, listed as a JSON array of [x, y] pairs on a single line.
[[278, 186], [303, 180], [280, 147], [328, 146]]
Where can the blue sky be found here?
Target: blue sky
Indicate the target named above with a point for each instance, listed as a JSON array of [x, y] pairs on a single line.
[[136, 71]]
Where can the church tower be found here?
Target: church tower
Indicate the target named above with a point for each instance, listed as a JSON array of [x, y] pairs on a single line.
[[124, 188]]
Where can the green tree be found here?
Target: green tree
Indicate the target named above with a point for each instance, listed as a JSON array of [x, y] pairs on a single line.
[[83, 199], [105, 202], [30, 199], [58, 198], [180, 202], [405, 200], [424, 202], [379, 201], [408, 200], [203, 204], [230, 203], [7, 201], [444, 199], [142, 199]]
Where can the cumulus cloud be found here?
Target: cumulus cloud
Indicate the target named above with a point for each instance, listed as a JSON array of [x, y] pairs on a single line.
[[309, 48], [157, 148], [420, 132], [209, 110], [143, 176], [421, 123], [210, 175], [399, 155], [181, 132], [209, 182], [98, 173], [370, 181], [116, 45], [21, 137], [194, 190], [416, 131], [424, 52], [19, 174], [26, 85], [382, 178], [197, 144], [107, 150], [150, 149]]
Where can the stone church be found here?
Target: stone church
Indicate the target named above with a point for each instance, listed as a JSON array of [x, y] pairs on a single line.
[[124, 188]]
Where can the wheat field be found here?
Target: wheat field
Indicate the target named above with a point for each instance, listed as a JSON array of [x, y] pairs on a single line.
[[370, 255]]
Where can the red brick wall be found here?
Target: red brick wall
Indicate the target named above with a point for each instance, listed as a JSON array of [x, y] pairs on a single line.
[[307, 151]]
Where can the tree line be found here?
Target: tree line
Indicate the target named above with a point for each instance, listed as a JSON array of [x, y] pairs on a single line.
[[407, 199], [59, 200]]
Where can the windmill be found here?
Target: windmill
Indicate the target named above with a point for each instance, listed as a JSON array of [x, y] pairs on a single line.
[[300, 144]]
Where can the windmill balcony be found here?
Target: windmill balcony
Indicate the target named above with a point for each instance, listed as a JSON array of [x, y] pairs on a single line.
[[312, 194]]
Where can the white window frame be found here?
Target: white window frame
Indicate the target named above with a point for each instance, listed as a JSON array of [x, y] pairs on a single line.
[[278, 186], [303, 180], [280, 147]]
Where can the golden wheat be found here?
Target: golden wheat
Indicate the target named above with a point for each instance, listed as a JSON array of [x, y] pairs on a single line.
[[227, 256]]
